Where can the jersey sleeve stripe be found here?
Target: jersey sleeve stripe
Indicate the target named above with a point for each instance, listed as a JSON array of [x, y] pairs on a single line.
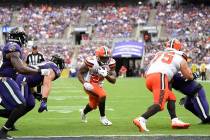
[[184, 56], [88, 63]]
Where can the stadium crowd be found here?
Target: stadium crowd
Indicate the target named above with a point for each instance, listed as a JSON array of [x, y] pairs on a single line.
[[43, 22], [182, 21], [5, 15], [111, 21]]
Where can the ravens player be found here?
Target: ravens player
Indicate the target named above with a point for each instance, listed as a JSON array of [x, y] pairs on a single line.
[[27, 83], [10, 95], [195, 100]]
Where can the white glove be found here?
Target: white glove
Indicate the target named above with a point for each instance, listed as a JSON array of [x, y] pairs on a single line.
[[44, 72], [88, 86], [102, 71]]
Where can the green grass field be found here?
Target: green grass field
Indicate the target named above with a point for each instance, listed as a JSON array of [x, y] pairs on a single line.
[[127, 99]]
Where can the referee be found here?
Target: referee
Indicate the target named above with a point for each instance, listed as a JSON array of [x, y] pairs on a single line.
[[35, 58]]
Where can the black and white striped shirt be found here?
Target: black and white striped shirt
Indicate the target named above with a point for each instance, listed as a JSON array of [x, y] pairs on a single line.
[[33, 59]]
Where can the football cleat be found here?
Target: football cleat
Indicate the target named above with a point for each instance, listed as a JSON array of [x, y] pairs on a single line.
[[141, 124], [83, 116], [206, 121], [4, 135], [178, 124], [105, 121]]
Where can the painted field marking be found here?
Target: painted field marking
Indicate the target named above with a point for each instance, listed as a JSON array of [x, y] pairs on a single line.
[[61, 98], [69, 109]]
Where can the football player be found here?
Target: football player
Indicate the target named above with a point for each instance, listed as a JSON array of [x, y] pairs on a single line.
[[160, 72], [91, 74], [27, 83], [195, 100], [10, 95]]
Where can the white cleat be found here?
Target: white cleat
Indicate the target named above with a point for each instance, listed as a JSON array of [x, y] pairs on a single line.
[[178, 124], [141, 124], [105, 121], [83, 116]]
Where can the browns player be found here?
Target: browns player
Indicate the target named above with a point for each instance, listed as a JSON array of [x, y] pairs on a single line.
[[160, 72], [92, 74]]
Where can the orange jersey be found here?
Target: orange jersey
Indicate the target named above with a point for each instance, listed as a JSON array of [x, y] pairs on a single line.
[[92, 63]]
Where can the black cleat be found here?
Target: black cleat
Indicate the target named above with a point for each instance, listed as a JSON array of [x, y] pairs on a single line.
[[4, 135], [206, 121]]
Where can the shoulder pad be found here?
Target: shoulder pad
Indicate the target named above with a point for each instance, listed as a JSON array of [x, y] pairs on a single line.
[[89, 61], [12, 47], [182, 54]]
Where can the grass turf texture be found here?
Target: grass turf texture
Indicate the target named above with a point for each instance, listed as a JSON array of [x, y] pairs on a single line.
[[127, 99]]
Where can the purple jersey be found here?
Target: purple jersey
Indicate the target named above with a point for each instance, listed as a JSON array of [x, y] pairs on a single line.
[[7, 69], [188, 87], [37, 79]]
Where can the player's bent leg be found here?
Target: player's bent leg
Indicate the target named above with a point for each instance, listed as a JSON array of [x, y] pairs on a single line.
[[5, 113], [101, 106], [201, 105], [141, 121], [83, 113], [189, 105]]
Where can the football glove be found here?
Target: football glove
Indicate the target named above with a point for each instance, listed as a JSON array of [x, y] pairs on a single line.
[[88, 86], [196, 75], [44, 72], [43, 106], [102, 71]]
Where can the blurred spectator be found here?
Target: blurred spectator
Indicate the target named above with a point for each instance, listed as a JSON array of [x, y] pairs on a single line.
[[203, 71], [122, 71]]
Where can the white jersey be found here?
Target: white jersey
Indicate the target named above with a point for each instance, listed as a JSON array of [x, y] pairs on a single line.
[[92, 63], [167, 62]]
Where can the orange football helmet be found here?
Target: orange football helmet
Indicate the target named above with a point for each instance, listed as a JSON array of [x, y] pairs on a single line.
[[175, 44], [103, 55]]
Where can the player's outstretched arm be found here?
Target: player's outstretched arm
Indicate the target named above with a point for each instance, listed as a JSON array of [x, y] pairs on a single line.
[[111, 77], [18, 64], [185, 70], [21, 68]]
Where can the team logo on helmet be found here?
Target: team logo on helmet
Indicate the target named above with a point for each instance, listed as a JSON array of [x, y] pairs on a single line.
[[103, 55], [175, 44]]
